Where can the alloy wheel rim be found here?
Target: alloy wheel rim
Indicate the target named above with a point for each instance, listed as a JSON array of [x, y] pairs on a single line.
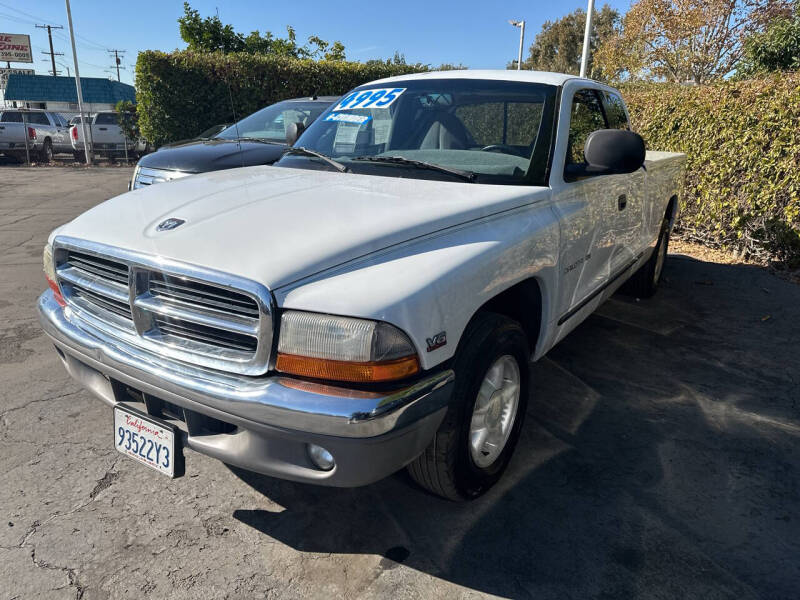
[[495, 411]]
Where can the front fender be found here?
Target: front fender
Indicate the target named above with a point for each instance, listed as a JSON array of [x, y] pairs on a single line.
[[436, 284]]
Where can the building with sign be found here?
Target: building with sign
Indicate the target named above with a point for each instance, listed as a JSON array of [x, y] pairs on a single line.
[[58, 93], [15, 47]]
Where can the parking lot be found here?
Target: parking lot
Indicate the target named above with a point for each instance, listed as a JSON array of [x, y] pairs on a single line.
[[659, 460]]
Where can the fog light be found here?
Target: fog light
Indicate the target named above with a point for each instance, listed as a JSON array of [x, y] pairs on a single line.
[[321, 457]]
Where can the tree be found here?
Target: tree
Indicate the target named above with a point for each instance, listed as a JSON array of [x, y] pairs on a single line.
[[451, 67], [775, 49], [558, 46], [127, 119], [684, 40], [209, 34], [399, 59]]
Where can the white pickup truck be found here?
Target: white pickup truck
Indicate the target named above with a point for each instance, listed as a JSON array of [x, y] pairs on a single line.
[[105, 137], [374, 300]]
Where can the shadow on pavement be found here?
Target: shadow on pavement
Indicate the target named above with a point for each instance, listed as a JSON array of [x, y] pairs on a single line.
[[659, 459]]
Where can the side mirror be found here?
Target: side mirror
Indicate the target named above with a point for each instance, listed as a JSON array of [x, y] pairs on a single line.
[[294, 131], [614, 151]]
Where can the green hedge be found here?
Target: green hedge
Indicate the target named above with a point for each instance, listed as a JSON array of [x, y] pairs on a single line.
[[742, 139], [182, 93]]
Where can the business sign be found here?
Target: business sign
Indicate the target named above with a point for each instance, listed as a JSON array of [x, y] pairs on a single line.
[[15, 47], [4, 73]]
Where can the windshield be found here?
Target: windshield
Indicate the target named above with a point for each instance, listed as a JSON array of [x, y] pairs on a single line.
[[495, 131], [270, 123]]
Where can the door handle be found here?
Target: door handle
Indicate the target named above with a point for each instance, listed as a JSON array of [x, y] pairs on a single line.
[[103, 128], [622, 201]]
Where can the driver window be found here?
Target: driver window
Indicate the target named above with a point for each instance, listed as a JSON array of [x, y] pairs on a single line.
[[586, 117]]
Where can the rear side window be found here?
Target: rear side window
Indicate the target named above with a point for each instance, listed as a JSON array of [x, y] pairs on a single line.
[[586, 117], [615, 111], [106, 119], [506, 124], [38, 119], [11, 117]]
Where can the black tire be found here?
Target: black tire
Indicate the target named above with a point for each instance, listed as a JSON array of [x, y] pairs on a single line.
[[79, 156], [644, 283], [446, 467], [46, 153]]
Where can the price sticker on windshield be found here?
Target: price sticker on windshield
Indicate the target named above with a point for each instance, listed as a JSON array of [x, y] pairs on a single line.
[[380, 98]]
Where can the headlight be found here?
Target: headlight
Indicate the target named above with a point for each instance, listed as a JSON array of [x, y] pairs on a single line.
[[343, 348], [49, 268]]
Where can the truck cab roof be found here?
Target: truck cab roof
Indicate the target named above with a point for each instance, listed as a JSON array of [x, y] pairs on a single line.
[[491, 74]]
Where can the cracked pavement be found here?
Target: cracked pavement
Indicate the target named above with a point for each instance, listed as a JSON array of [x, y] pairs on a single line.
[[659, 460]]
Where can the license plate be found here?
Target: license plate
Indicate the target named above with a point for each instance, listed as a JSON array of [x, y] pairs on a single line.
[[148, 440]]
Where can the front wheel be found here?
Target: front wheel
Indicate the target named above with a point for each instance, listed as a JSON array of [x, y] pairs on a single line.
[[474, 443]]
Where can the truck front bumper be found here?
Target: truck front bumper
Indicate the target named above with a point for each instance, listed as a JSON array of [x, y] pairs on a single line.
[[270, 420]]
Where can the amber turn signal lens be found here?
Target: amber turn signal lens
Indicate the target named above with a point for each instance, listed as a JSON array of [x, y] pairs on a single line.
[[338, 370]]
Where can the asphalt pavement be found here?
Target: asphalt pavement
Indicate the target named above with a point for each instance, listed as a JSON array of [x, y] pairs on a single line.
[[659, 459]]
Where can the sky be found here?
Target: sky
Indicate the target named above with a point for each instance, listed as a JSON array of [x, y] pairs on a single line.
[[470, 32]]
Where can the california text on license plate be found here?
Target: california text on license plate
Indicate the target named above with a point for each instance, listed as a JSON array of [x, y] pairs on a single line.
[[147, 440]]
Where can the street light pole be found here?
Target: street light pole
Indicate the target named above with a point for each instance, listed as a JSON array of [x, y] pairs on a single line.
[[587, 36], [88, 154], [521, 25]]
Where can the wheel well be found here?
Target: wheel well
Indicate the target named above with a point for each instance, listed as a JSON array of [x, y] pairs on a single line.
[[523, 303], [672, 209]]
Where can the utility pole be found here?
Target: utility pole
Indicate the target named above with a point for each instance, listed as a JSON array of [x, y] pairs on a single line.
[[587, 38], [84, 129], [50, 37], [117, 60]]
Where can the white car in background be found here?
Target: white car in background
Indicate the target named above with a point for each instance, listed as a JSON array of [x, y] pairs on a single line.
[[374, 300]]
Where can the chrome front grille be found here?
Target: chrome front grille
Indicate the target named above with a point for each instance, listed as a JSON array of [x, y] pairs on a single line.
[[182, 292], [98, 284], [201, 316], [101, 267], [143, 177]]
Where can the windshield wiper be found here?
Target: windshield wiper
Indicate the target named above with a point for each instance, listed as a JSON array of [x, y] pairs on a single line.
[[260, 140], [302, 151], [468, 176]]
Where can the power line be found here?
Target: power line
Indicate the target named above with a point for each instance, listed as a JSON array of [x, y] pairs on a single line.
[[96, 45], [22, 12], [50, 37]]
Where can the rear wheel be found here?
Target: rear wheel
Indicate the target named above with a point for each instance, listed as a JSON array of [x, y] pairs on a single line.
[[474, 443], [644, 283], [79, 156], [46, 153]]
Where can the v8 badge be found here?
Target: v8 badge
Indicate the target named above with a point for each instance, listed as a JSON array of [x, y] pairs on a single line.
[[437, 341]]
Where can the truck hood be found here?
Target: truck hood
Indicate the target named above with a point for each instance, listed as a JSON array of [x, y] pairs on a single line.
[[278, 225], [199, 156]]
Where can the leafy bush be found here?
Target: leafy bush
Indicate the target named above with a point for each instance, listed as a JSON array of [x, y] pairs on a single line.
[[742, 139], [182, 93]]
